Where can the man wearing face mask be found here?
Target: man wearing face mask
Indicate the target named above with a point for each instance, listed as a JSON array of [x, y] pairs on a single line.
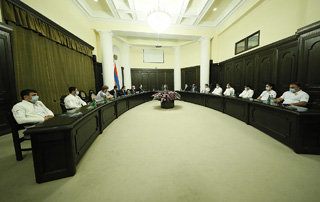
[[30, 110], [295, 96], [268, 93], [217, 90], [229, 90], [73, 100], [133, 89], [247, 92]]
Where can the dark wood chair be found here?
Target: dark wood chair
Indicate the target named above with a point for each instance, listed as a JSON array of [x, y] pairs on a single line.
[[92, 95], [15, 127], [63, 107], [83, 95]]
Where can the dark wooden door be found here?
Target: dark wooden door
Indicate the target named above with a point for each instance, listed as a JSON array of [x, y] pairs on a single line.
[[7, 79], [98, 76]]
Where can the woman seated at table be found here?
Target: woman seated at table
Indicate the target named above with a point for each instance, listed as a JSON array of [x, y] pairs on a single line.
[[269, 92]]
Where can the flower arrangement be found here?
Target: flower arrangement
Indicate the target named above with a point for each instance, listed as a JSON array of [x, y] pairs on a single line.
[[164, 96]]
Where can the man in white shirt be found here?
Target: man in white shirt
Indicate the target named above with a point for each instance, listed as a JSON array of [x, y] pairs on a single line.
[[247, 92], [229, 91], [217, 90], [103, 93], [73, 100], [268, 93], [206, 89], [295, 96], [30, 110]]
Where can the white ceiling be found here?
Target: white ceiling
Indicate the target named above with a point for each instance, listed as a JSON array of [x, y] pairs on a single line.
[[194, 14]]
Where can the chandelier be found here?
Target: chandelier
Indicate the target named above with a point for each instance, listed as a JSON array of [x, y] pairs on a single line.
[[159, 20]]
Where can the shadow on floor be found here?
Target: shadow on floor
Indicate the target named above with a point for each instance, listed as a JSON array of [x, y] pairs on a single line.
[[176, 107]]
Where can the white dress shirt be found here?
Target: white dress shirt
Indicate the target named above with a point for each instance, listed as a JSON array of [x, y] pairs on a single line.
[[26, 112], [229, 91], [247, 93], [207, 90], [296, 97], [265, 94], [73, 101], [217, 91]]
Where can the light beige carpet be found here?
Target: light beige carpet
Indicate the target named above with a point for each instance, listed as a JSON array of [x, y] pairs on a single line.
[[189, 153]]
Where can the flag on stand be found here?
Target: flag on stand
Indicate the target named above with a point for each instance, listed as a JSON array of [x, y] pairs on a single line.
[[116, 79]]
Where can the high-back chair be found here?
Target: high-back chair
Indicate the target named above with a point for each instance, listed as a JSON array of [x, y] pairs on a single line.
[[62, 105], [83, 95], [15, 127], [92, 95]]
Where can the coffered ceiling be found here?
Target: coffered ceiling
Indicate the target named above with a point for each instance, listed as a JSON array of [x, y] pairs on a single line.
[[194, 14]]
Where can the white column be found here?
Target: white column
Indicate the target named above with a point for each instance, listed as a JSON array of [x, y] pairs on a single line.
[[177, 68], [126, 65], [205, 60], [107, 57]]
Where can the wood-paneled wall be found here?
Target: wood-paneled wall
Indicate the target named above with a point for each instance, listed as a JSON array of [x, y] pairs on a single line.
[[152, 78], [190, 75], [294, 59]]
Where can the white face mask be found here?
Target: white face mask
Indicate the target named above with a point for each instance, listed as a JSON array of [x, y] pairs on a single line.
[[77, 92]]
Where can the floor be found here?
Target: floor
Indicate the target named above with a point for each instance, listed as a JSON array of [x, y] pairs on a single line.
[[189, 153]]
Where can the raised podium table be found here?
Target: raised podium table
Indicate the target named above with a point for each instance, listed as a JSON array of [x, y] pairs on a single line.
[[300, 130], [59, 143]]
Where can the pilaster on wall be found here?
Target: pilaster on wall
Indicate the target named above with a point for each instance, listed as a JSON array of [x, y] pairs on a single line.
[[126, 65], [107, 57], [205, 61], [177, 68]]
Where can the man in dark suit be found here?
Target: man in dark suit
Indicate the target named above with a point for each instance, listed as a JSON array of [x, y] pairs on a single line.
[[186, 87], [140, 89], [133, 89], [114, 92], [194, 88], [123, 91]]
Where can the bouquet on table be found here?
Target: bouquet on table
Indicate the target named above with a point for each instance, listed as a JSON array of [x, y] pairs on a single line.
[[165, 96]]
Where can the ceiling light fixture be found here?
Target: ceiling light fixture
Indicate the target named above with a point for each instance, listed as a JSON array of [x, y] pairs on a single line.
[[215, 9], [96, 0], [159, 20]]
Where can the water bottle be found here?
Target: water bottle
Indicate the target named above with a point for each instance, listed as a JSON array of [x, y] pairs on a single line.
[[268, 100], [94, 103], [105, 99]]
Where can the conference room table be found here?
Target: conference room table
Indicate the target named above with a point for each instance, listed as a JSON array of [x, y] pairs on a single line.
[[296, 127], [59, 143]]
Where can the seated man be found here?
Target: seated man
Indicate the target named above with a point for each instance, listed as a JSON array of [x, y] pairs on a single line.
[[123, 91], [229, 90], [295, 96], [73, 100], [30, 110], [133, 89], [194, 88], [186, 87], [114, 92], [217, 90], [103, 93], [206, 89], [268, 93], [140, 89], [247, 92]]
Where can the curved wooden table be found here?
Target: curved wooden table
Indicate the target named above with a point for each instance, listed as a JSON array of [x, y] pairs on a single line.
[[59, 143], [298, 130]]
